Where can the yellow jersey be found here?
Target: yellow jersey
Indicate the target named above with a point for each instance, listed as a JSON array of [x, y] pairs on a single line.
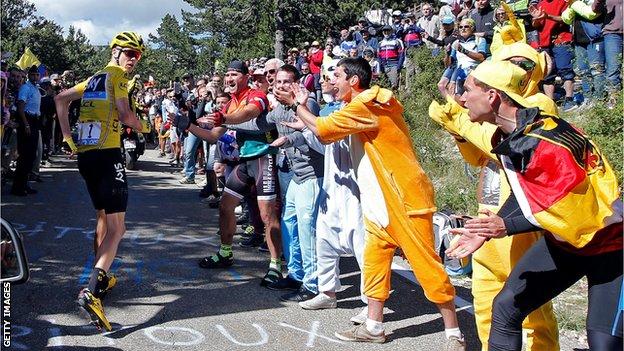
[[98, 125]]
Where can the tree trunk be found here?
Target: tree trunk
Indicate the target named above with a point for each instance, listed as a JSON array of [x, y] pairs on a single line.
[[279, 31]]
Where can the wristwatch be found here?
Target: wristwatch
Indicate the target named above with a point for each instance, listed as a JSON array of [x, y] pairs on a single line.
[[294, 106]]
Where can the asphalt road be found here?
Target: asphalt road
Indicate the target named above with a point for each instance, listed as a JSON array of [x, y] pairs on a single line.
[[163, 300]]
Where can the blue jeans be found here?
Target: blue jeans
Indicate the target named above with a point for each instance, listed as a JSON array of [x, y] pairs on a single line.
[[613, 60], [190, 149], [299, 231], [590, 66]]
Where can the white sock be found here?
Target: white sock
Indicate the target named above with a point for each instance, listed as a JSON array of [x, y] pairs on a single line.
[[454, 332], [374, 327]]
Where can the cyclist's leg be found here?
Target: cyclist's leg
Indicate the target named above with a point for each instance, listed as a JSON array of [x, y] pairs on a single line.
[[100, 230], [116, 228]]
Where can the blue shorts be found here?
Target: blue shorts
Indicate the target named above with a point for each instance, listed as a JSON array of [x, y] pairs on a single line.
[[562, 56]]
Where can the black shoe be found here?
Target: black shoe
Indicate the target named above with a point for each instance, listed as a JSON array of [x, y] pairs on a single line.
[[254, 240], [287, 283], [35, 178], [264, 247], [220, 262], [204, 193], [17, 192], [242, 219], [300, 295], [271, 277]]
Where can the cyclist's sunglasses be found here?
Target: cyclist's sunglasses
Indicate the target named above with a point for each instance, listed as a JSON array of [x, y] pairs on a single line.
[[132, 53]]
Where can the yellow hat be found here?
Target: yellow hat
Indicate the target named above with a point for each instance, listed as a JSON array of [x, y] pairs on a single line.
[[524, 50], [504, 76]]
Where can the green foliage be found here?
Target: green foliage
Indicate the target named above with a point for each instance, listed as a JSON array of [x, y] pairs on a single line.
[[604, 127], [14, 15], [440, 158], [21, 28]]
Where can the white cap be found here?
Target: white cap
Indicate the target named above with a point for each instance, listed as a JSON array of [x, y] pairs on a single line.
[[396, 13]]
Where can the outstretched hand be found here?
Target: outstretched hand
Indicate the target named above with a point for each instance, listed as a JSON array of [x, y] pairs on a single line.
[[279, 141], [464, 243], [297, 124], [491, 226], [301, 95]]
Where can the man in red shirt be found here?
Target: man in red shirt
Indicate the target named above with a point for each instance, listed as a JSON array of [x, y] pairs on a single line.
[[315, 59], [556, 39]]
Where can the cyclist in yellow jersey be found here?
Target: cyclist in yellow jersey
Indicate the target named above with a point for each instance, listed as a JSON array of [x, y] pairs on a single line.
[[104, 107]]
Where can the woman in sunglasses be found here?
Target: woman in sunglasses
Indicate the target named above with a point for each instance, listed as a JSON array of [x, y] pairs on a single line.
[[104, 107]]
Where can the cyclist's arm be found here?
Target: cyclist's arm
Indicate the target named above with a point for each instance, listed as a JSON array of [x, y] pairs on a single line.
[[126, 115], [62, 101]]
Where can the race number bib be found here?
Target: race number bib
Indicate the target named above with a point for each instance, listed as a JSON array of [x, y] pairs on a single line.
[[89, 133]]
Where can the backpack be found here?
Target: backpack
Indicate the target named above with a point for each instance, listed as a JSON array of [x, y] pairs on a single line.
[[442, 222]]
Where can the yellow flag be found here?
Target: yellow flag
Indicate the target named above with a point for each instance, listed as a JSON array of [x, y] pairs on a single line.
[[27, 60]]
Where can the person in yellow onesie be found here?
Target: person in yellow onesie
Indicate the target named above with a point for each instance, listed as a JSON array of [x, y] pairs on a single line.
[[396, 195], [495, 260]]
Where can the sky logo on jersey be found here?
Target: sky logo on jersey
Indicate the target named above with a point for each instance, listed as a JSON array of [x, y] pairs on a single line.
[[96, 88]]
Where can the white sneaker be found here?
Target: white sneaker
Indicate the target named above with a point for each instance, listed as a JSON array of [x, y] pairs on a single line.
[[360, 318], [320, 302], [238, 210]]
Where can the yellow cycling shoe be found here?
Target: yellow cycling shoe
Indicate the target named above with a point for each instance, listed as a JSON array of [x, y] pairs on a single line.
[[93, 306]]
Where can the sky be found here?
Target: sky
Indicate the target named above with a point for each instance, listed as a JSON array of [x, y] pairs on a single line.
[[100, 20]]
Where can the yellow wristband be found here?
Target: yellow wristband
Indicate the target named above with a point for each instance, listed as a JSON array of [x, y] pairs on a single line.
[[70, 143]]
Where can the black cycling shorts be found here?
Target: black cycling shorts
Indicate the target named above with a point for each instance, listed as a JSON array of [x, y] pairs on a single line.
[[261, 172], [105, 174]]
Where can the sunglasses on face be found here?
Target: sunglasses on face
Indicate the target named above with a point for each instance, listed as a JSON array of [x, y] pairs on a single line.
[[271, 71], [465, 27], [132, 54], [526, 65]]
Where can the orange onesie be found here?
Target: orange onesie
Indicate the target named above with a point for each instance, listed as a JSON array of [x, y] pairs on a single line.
[[396, 195]]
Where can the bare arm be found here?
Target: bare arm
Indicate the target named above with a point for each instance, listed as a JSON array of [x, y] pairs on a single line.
[[62, 101], [209, 135], [248, 112], [126, 115]]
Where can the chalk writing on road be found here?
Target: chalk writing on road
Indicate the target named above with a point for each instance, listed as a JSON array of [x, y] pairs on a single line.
[[170, 335]]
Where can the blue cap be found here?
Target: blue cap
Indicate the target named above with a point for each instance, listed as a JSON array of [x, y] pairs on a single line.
[[448, 20]]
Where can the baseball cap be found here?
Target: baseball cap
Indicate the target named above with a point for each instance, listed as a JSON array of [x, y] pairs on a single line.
[[238, 66], [338, 52], [362, 19], [329, 67], [504, 76], [45, 80], [316, 43], [55, 76], [386, 27], [259, 71], [448, 19], [396, 13]]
